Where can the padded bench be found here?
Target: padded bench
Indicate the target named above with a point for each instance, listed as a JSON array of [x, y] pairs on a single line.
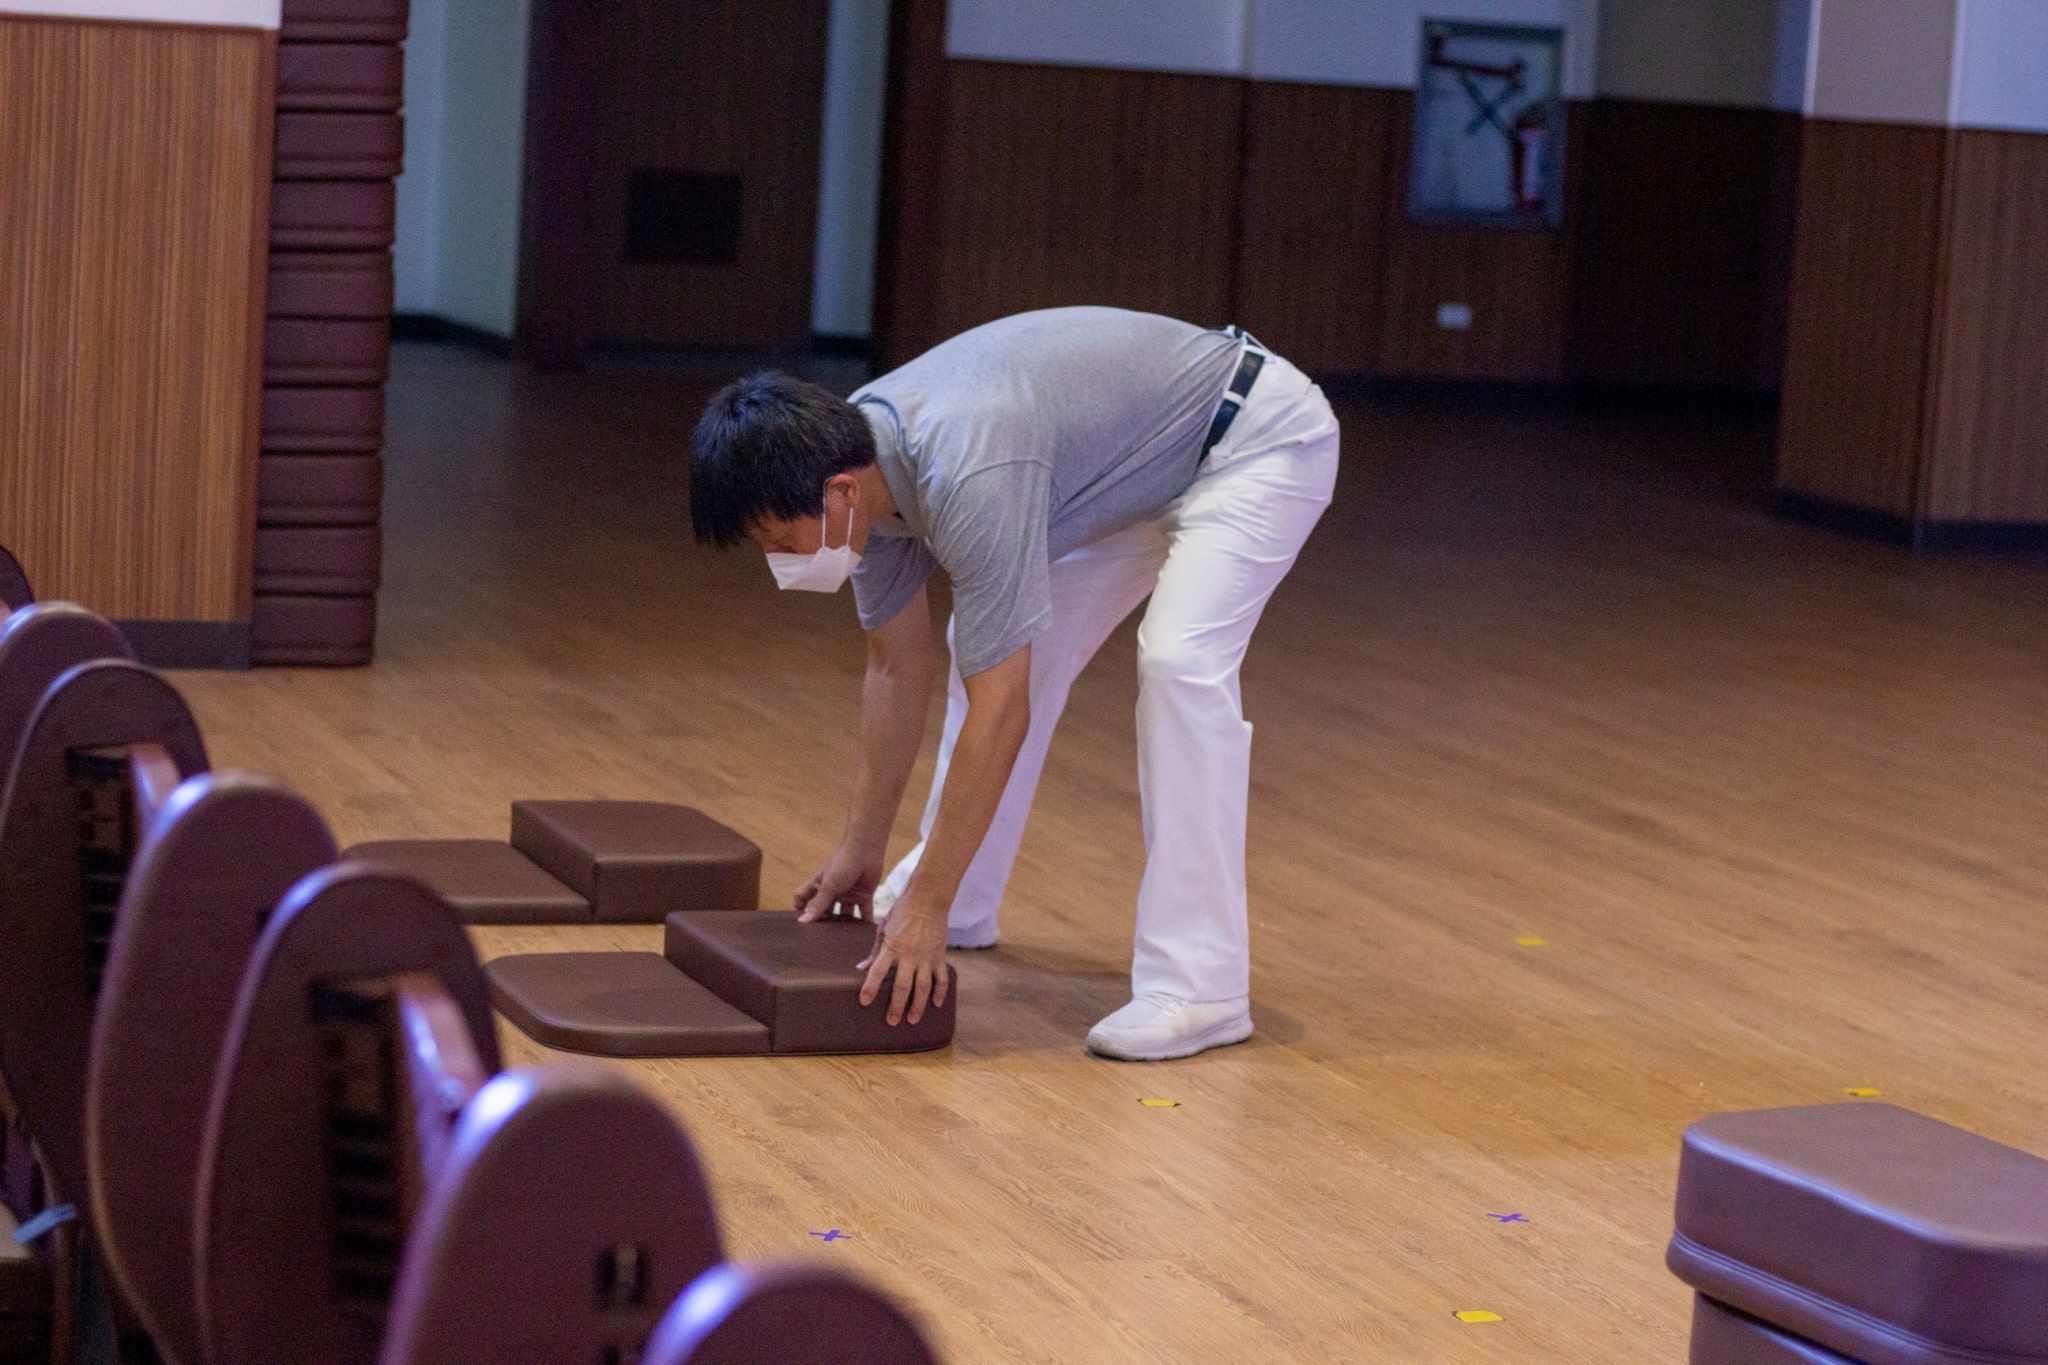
[[728, 983], [572, 862], [1860, 1234]]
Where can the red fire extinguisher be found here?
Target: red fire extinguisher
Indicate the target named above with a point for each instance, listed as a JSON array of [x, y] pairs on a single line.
[[1532, 137]]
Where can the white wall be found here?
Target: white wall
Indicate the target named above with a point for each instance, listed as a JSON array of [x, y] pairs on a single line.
[[1722, 52], [2000, 72], [416, 253], [1336, 42], [850, 168], [1881, 61], [218, 13], [457, 252]]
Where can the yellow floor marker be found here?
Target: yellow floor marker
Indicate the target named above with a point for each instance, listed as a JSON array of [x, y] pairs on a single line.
[[1477, 1315], [1160, 1104], [1533, 942], [1861, 1092]]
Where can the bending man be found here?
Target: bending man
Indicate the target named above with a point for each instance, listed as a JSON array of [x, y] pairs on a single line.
[[1061, 467]]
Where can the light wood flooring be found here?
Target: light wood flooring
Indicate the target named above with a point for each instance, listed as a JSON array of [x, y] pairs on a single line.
[[1775, 801]]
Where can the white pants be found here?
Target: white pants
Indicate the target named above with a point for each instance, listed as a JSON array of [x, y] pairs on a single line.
[[1210, 562]]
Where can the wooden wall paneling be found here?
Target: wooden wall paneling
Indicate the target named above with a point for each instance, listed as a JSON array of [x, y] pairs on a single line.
[[131, 244], [1516, 281], [1987, 437], [1312, 222], [1081, 186], [715, 87], [913, 181], [568, 55], [1863, 295], [1676, 277]]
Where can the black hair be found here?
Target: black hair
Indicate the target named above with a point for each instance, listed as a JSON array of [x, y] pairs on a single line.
[[764, 448]]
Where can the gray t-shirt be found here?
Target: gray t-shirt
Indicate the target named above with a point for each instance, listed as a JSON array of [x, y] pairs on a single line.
[[1021, 440]]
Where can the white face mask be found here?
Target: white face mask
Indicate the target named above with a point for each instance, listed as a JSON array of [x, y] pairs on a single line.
[[825, 571]]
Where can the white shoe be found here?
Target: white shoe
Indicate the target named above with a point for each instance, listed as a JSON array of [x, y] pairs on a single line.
[[1158, 1028], [891, 890], [892, 885], [971, 935]]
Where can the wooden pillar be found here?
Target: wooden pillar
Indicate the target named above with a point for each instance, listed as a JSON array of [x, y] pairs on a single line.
[[1916, 380]]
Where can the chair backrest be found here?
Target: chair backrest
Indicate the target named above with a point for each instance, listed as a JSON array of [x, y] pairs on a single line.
[[784, 1315], [103, 749], [571, 1213], [37, 645], [15, 592], [215, 864], [362, 1027]]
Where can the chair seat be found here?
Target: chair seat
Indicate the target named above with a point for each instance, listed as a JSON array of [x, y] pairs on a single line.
[[619, 1005], [485, 881], [1869, 1230]]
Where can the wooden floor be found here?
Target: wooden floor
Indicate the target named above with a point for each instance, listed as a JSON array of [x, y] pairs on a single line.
[[1775, 801]]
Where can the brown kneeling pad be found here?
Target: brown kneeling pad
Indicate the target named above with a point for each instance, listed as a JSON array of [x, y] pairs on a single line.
[[485, 881], [1722, 1336], [618, 1005], [800, 979], [1869, 1230], [637, 862]]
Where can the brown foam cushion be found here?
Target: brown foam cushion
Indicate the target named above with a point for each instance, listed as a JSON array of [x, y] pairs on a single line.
[[800, 980], [329, 284], [332, 215], [323, 421], [355, 76], [322, 146], [217, 860], [1722, 1336], [354, 351], [638, 861], [618, 1005], [569, 1214], [1870, 1230], [487, 882], [323, 631], [797, 1315], [15, 591], [319, 490], [342, 560], [344, 21]]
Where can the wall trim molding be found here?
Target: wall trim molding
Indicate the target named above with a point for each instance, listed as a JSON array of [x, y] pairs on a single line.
[[218, 646], [434, 327], [1921, 534]]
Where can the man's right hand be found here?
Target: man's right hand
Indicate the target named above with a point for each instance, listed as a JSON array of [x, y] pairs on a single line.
[[848, 878]]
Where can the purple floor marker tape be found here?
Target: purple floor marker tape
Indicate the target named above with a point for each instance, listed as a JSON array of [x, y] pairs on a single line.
[[1507, 1217], [835, 1235]]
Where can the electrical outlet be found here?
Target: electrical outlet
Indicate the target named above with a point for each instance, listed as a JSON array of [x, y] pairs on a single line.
[[1454, 317]]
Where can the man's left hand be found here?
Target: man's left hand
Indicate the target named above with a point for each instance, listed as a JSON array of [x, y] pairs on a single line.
[[912, 941]]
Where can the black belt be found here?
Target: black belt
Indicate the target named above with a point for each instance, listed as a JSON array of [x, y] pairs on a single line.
[[1248, 366]]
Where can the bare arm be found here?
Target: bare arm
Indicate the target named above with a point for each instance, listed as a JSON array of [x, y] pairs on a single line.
[[914, 939], [902, 661]]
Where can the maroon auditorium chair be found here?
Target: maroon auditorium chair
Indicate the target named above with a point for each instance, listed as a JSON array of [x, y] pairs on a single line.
[[1860, 1234], [783, 1315], [217, 860], [38, 644], [101, 753], [361, 1030], [15, 591], [568, 1215]]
